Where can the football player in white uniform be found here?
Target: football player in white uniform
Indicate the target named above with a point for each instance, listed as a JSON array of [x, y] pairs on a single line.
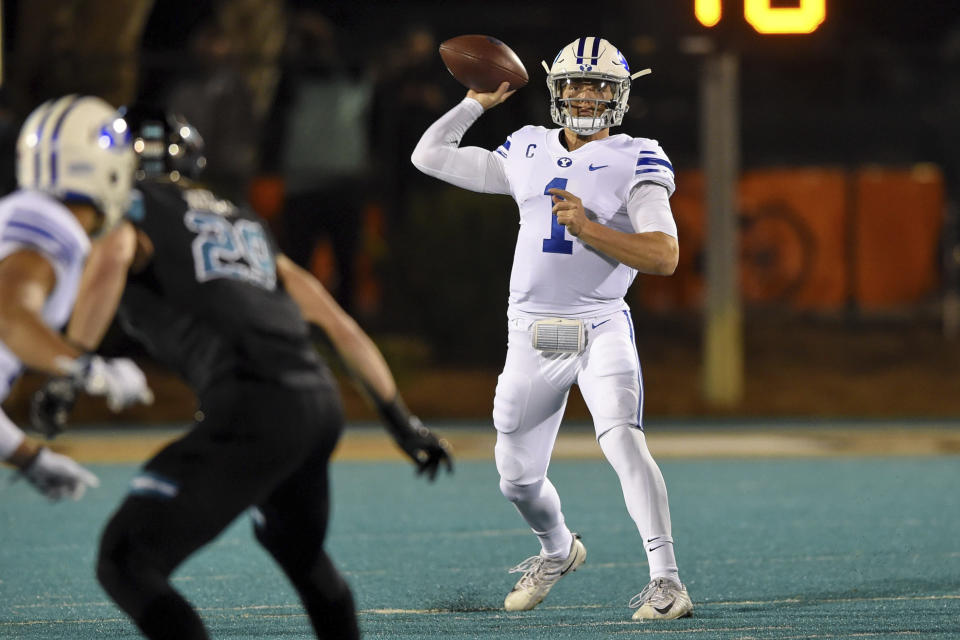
[[75, 169], [594, 211]]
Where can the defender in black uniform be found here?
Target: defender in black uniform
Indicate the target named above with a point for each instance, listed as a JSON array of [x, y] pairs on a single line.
[[208, 294]]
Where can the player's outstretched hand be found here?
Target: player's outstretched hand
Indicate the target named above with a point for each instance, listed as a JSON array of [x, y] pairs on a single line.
[[50, 406], [119, 380], [57, 476], [493, 98], [427, 451]]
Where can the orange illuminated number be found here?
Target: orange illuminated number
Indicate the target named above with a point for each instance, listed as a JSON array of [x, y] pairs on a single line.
[[707, 12], [765, 18], [803, 19]]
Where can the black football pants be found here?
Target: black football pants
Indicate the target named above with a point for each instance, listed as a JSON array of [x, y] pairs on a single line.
[[258, 444]]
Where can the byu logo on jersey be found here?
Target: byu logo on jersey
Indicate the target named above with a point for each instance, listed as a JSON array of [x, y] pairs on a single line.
[[564, 162]]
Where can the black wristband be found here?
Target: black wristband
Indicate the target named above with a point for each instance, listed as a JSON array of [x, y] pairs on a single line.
[[395, 414]]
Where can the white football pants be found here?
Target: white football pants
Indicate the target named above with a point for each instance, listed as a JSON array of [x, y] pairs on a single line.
[[528, 407]]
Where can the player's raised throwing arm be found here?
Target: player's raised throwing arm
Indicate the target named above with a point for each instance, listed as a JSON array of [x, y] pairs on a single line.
[[438, 153]]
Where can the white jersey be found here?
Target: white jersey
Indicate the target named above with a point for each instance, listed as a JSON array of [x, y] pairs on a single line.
[[554, 273], [35, 221]]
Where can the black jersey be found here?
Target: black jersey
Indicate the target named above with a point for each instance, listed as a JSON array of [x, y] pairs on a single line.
[[209, 303]]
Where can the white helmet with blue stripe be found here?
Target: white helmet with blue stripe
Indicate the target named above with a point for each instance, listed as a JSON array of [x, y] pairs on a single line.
[[77, 148], [590, 58]]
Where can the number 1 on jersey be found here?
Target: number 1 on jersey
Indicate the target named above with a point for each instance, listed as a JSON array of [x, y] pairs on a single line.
[[556, 243]]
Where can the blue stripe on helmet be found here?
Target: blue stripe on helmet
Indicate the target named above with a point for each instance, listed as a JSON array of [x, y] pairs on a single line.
[[580, 44], [36, 156], [596, 49], [107, 138], [55, 135]]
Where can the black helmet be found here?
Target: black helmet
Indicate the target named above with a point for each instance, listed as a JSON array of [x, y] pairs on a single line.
[[166, 144]]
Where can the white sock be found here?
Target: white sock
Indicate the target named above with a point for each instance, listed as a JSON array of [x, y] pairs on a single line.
[[660, 557], [556, 542], [645, 494], [539, 505]]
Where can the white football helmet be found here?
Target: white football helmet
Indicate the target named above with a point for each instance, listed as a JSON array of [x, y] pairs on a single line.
[[596, 59], [77, 148]]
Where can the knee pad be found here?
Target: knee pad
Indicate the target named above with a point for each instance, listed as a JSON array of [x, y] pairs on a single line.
[[510, 401], [520, 493], [509, 465], [522, 460]]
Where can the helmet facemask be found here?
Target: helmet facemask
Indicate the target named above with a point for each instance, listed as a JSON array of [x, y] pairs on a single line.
[[596, 61], [575, 112]]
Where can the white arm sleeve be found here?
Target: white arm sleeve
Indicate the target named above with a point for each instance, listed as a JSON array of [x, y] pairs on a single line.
[[438, 153], [649, 209]]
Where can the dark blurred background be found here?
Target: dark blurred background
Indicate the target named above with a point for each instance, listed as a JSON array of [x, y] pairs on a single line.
[[850, 159]]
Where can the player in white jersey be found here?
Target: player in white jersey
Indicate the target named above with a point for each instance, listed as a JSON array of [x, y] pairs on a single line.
[[594, 211], [75, 169]]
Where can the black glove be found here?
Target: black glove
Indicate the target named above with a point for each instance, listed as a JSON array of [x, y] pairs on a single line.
[[425, 449], [51, 405]]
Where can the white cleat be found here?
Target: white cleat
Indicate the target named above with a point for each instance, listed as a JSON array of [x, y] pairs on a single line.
[[662, 599], [540, 574]]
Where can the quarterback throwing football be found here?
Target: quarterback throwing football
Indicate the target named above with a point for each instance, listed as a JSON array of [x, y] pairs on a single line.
[[594, 211]]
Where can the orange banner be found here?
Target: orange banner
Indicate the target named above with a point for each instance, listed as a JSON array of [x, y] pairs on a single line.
[[814, 238]]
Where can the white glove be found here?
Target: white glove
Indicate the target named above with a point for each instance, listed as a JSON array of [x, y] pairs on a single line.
[[57, 476], [118, 379]]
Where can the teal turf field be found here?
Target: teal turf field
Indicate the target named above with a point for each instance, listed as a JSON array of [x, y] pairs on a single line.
[[769, 548]]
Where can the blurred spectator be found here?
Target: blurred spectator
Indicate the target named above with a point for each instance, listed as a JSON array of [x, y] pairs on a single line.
[[322, 150], [89, 47], [945, 118], [412, 92], [256, 29], [217, 101], [9, 129]]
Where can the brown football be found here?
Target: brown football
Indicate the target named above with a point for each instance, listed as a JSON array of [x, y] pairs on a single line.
[[481, 63]]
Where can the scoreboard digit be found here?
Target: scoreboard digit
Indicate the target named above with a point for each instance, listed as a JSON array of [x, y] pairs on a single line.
[[766, 18]]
